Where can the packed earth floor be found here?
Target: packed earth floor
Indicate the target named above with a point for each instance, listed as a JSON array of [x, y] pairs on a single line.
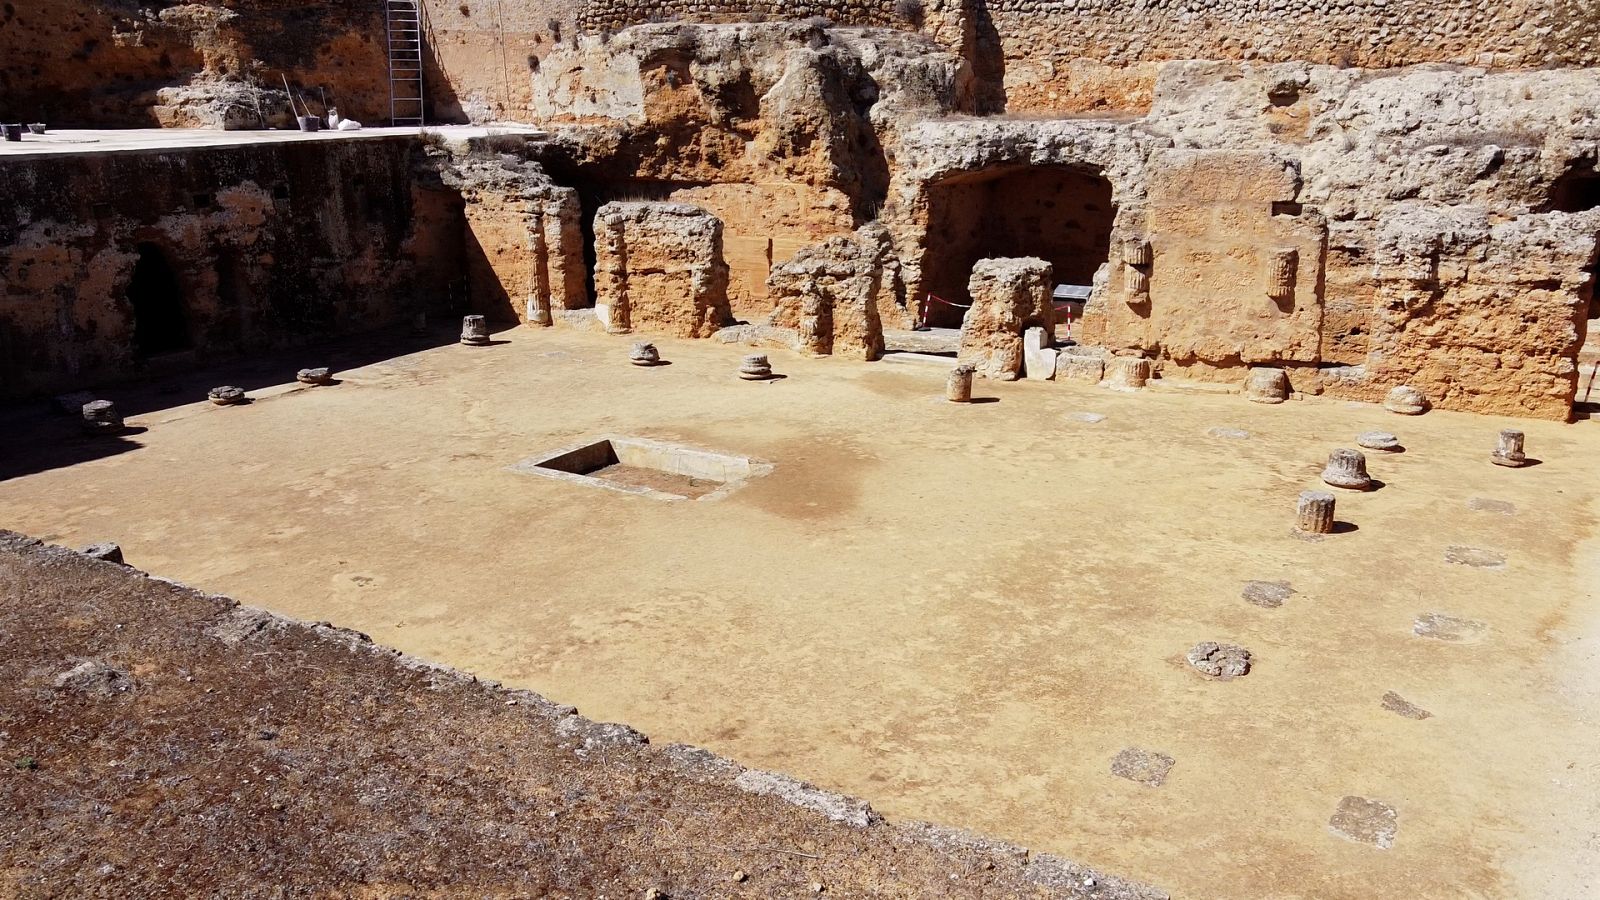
[[964, 613]]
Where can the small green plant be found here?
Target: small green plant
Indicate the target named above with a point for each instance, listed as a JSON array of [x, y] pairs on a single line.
[[26, 763]]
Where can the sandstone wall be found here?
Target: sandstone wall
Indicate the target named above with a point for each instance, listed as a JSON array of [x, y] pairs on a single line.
[[659, 268], [1213, 232], [833, 295], [522, 240], [101, 63], [1077, 55], [1429, 226], [267, 246]]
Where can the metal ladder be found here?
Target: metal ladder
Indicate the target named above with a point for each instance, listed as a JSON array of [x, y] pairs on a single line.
[[405, 62]]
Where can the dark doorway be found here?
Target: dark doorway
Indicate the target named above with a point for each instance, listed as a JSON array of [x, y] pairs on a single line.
[[160, 324], [1060, 214], [1577, 190]]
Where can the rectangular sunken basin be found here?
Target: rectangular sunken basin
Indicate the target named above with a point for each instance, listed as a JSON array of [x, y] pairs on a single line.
[[654, 469]]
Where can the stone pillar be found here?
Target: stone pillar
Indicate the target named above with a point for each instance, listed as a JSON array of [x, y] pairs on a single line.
[[1127, 373], [816, 321], [1079, 367], [1264, 385], [563, 239], [1508, 452], [1136, 252], [474, 331], [755, 367], [1138, 283], [538, 300], [1281, 267], [611, 272], [958, 387], [1406, 400], [1347, 469], [1313, 514]]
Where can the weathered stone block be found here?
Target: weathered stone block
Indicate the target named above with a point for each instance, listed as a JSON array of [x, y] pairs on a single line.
[[1008, 295], [659, 267]]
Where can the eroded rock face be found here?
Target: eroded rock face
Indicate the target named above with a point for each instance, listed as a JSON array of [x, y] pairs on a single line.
[[659, 267], [832, 294], [749, 102], [1008, 296], [529, 233], [1372, 231]]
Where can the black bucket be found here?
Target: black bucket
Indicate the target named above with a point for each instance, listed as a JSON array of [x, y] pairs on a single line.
[[309, 123], [13, 132]]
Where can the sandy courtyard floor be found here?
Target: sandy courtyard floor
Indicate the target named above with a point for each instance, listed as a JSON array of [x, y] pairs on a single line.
[[961, 613]]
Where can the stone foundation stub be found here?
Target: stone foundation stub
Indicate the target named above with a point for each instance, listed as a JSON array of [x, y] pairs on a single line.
[[1008, 295]]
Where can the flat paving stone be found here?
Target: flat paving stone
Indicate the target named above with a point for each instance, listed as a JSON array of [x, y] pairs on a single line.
[[1398, 704], [1365, 822], [1267, 594], [1232, 434], [1223, 662], [1144, 766], [1474, 557], [1485, 504], [1448, 628]]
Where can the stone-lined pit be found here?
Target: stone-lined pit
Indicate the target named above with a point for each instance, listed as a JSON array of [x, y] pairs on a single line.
[[654, 469]]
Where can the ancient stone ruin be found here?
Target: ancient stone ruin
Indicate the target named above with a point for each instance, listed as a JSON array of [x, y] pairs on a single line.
[[1248, 231]]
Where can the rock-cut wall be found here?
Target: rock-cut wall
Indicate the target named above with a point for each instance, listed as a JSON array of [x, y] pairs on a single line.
[[219, 251]]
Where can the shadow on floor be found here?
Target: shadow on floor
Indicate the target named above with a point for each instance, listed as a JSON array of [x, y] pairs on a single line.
[[36, 437]]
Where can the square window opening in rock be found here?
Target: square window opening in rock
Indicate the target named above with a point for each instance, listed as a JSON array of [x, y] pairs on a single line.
[[654, 469]]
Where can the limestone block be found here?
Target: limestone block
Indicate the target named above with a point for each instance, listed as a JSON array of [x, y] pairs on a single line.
[[101, 417], [1038, 358], [226, 395], [1080, 367], [659, 267], [1407, 401], [1266, 385], [1008, 296]]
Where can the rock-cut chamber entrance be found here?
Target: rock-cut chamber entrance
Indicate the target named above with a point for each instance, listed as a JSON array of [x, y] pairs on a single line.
[[160, 324], [1058, 213]]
